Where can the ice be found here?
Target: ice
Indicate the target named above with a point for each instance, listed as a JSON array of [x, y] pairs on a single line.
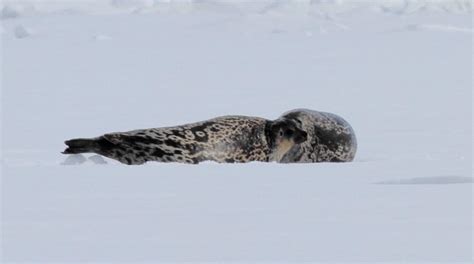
[[446, 28], [101, 37], [431, 180], [400, 72], [22, 32], [132, 3], [96, 159], [74, 160], [9, 12]]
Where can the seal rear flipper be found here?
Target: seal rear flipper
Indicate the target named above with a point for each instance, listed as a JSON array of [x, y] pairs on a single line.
[[88, 145], [80, 145]]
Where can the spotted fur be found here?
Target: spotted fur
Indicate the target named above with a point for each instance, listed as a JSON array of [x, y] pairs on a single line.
[[330, 138], [224, 139]]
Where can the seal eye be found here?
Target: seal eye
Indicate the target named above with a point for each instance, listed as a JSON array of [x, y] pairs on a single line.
[[281, 133]]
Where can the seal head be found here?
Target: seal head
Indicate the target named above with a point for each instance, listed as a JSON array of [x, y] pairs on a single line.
[[282, 135], [330, 138]]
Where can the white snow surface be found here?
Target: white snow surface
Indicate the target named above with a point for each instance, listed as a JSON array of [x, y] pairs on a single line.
[[399, 71]]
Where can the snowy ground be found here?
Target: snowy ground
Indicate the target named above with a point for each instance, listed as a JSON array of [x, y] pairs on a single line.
[[400, 73]]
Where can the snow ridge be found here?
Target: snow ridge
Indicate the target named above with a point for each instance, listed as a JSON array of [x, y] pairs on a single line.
[[11, 9]]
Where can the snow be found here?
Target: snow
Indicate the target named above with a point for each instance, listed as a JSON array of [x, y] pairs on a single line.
[[97, 159], [22, 32], [399, 71], [74, 160], [432, 180]]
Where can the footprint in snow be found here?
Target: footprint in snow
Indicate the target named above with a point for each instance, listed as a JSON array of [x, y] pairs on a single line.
[[78, 159], [74, 160], [22, 32], [96, 159]]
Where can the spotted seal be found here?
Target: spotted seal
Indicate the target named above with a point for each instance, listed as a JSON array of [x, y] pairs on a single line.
[[223, 139], [330, 138]]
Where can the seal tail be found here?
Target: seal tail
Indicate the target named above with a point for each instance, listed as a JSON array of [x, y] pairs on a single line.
[[100, 145], [81, 145]]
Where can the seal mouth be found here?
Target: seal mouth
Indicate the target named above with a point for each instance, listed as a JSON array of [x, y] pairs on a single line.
[[282, 148]]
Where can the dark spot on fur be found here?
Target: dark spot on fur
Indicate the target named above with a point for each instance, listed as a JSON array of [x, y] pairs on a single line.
[[202, 136], [172, 143], [336, 159], [293, 116], [145, 140], [192, 148], [330, 139], [147, 149], [158, 153]]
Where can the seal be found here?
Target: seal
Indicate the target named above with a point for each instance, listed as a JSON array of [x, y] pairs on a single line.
[[330, 138], [226, 139]]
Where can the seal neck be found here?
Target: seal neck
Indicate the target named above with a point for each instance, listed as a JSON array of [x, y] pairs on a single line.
[[269, 138]]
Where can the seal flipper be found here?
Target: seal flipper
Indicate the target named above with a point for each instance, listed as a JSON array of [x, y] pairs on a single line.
[[80, 145], [88, 145]]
